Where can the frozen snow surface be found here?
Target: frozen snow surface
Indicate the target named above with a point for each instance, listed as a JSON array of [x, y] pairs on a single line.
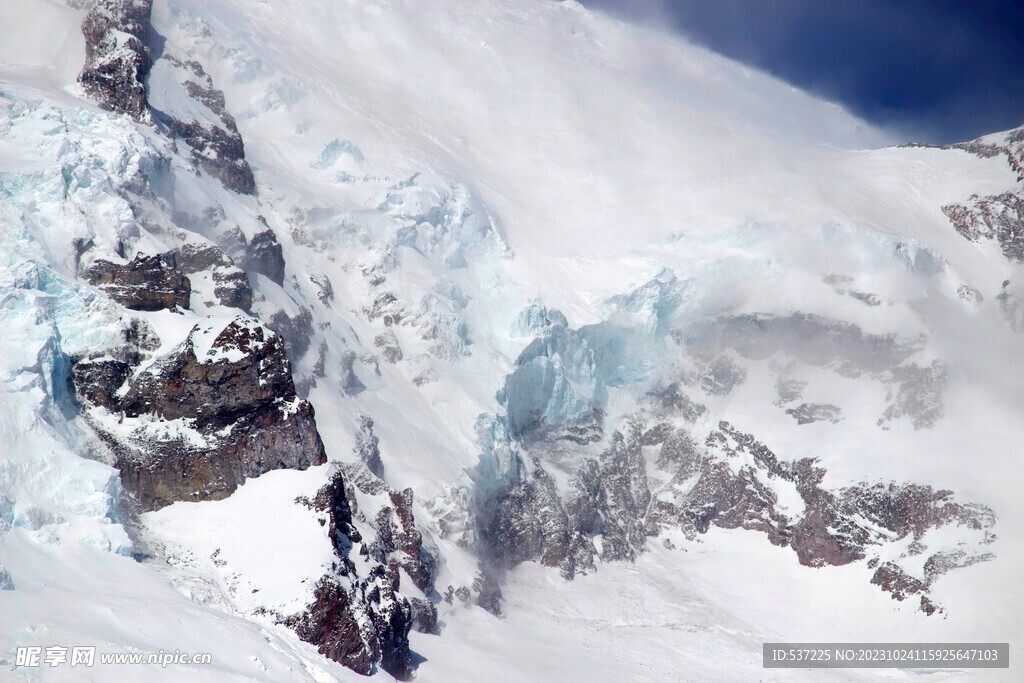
[[503, 231]]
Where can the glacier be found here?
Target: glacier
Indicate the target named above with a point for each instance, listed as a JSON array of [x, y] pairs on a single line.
[[622, 358]]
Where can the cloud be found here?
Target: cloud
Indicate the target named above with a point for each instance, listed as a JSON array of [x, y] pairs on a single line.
[[936, 69]]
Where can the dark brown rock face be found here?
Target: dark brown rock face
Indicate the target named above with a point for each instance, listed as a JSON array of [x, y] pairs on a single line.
[[219, 408], [360, 622], [98, 380], [146, 283], [233, 371], [733, 481], [527, 521], [117, 58], [334, 500], [231, 286], [616, 481], [998, 217], [400, 544], [216, 144], [263, 255], [330, 623], [900, 585], [834, 527], [158, 474], [545, 497], [424, 616]]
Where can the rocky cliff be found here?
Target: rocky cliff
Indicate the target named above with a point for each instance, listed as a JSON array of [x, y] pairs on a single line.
[[117, 56], [201, 419], [146, 283], [360, 621], [667, 469]]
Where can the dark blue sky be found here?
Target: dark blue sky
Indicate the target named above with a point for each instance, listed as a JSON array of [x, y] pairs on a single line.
[[933, 70]]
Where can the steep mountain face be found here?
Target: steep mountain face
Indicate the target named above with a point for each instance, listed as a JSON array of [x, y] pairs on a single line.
[[118, 56], [218, 408], [356, 366], [658, 478]]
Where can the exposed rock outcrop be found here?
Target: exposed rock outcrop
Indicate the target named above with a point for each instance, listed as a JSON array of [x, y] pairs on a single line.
[[389, 347], [362, 622], [117, 57], [296, 330], [785, 500], [806, 413], [217, 409], [998, 217], [900, 585], [789, 390], [146, 283], [98, 380], [118, 65], [213, 136], [732, 481], [525, 520], [995, 217], [612, 498], [368, 447], [361, 626], [814, 340], [721, 376], [350, 382], [424, 616], [919, 396], [969, 294], [387, 307], [398, 543], [263, 255], [231, 286], [325, 289], [672, 399]]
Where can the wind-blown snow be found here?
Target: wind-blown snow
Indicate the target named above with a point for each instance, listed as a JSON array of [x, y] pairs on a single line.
[[534, 204]]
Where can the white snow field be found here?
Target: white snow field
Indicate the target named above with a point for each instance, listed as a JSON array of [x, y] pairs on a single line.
[[471, 158]]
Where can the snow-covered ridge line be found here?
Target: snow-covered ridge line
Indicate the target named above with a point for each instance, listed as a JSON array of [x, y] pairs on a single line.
[[689, 326]]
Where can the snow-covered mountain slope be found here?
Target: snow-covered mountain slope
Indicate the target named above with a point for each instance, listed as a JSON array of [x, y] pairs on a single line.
[[490, 340]]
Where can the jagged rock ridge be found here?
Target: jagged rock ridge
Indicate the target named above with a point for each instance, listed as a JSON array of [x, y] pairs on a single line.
[[231, 286], [364, 621], [119, 65], [117, 57], [215, 143], [998, 217], [733, 481]]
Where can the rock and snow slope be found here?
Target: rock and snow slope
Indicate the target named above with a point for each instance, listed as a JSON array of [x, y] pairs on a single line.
[[623, 358]]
